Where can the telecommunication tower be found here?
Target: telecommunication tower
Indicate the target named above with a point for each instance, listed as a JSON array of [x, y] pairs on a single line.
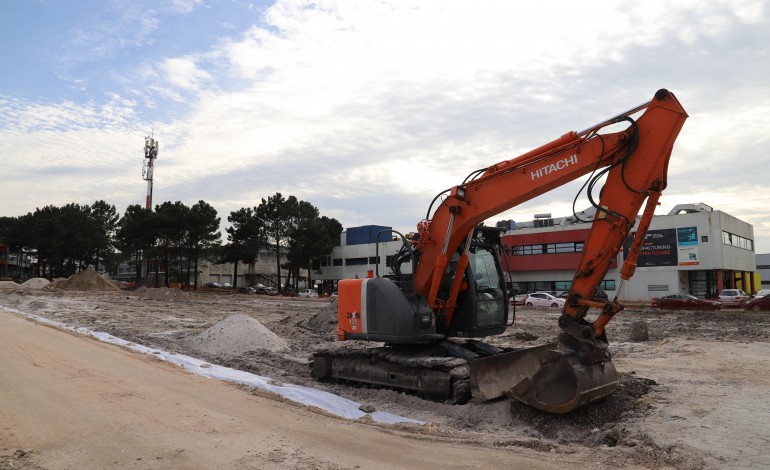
[[150, 154]]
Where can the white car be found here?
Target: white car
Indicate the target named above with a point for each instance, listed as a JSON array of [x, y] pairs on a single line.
[[734, 297], [308, 293], [762, 293], [543, 299]]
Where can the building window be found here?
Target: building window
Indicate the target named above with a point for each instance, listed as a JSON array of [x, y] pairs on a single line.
[[568, 247], [530, 250], [607, 284], [337, 261], [561, 286], [737, 241], [557, 286], [355, 261], [543, 286]]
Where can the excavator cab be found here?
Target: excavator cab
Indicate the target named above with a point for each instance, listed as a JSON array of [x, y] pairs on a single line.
[[383, 308], [482, 306]]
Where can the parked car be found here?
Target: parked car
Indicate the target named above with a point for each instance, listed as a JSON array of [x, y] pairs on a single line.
[[308, 293], [214, 285], [543, 299], [735, 297], [226, 285], [288, 292], [758, 303], [601, 295], [247, 290], [685, 302], [519, 299], [762, 293], [266, 290]]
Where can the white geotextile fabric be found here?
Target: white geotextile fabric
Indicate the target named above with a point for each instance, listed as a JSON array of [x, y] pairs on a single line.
[[305, 395]]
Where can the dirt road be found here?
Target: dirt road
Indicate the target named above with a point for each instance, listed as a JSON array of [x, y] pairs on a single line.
[[696, 395], [79, 403]]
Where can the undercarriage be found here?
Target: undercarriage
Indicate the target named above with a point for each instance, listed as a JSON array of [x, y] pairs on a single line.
[[438, 372]]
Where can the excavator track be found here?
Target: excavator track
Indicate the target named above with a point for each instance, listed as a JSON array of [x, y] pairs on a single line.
[[428, 371], [553, 377]]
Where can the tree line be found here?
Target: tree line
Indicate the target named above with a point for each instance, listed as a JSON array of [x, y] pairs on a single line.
[[173, 238]]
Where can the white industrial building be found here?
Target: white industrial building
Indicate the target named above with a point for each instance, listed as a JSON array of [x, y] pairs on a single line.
[[359, 255], [693, 249]]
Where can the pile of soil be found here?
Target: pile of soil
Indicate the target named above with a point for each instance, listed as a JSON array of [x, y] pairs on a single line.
[[88, 280], [162, 293], [57, 283], [324, 321], [8, 285], [236, 335], [35, 283]]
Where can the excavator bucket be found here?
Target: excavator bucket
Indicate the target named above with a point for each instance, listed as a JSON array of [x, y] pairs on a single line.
[[556, 377]]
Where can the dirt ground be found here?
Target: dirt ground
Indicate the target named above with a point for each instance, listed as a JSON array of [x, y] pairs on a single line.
[[695, 395]]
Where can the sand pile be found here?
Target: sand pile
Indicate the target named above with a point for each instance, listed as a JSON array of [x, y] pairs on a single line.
[[161, 293], [57, 283], [324, 321], [35, 283], [236, 335], [8, 285], [88, 280]]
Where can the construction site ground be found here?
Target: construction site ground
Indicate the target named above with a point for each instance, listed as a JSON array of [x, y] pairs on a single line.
[[695, 395]]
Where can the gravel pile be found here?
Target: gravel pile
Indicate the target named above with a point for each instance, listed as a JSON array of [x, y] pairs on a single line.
[[235, 335], [35, 283]]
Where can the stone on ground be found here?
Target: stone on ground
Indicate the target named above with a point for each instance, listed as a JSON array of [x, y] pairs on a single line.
[[638, 331]]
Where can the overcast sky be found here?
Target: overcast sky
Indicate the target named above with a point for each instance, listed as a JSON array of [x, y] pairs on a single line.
[[368, 109]]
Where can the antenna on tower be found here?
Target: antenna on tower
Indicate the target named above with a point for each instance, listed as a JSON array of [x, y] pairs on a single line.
[[150, 154]]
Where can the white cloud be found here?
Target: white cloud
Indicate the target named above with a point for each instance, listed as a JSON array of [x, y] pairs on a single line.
[[368, 109], [184, 73], [185, 6]]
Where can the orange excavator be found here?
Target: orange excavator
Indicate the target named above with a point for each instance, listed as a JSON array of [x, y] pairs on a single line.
[[446, 288]]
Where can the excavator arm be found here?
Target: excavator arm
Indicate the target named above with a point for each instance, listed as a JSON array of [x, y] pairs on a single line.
[[578, 369], [635, 161]]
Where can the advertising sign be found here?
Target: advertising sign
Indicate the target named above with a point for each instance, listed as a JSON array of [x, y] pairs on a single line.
[[687, 241], [659, 248], [667, 247]]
